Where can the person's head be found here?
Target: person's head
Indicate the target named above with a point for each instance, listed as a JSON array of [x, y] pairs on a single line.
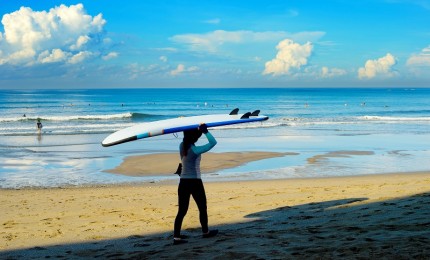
[[190, 137]]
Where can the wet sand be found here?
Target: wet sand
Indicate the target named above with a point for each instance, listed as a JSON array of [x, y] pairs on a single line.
[[372, 216], [167, 163]]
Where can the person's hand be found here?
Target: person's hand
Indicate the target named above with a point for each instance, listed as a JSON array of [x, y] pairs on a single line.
[[203, 128]]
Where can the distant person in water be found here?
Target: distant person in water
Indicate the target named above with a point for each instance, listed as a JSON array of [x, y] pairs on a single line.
[[191, 182], [39, 125]]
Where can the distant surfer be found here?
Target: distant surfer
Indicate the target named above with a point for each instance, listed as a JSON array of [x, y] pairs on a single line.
[[191, 182], [39, 125]]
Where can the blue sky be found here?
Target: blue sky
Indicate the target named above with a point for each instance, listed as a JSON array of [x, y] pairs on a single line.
[[297, 43]]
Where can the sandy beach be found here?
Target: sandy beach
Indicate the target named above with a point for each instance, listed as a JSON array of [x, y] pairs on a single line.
[[344, 217]]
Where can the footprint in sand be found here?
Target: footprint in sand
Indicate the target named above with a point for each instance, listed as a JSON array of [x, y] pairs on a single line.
[[9, 224], [10, 237], [55, 233]]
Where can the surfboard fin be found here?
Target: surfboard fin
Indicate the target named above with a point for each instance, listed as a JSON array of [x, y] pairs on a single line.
[[246, 115], [255, 113], [234, 111]]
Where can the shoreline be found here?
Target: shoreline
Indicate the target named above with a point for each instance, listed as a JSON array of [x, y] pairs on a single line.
[[175, 182]]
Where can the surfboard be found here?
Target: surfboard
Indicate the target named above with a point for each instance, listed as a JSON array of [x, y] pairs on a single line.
[[174, 125]]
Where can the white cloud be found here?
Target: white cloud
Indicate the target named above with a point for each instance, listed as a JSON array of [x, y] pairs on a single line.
[[290, 56], [110, 55], [211, 41], [18, 56], [56, 55], [136, 70], [381, 67], [157, 71], [80, 42], [163, 58], [420, 59], [181, 69], [331, 73], [62, 34], [178, 70], [81, 56]]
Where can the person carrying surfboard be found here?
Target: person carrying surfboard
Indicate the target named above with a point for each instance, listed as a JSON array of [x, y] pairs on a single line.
[[191, 182]]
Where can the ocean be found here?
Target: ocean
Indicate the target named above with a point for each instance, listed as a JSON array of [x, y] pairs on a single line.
[[350, 131]]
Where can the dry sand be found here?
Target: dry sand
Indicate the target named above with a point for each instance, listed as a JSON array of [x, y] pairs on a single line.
[[374, 216]]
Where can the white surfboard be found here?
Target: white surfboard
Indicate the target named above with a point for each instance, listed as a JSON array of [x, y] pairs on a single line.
[[179, 124]]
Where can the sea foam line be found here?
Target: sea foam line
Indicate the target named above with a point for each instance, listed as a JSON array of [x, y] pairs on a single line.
[[389, 118], [67, 118]]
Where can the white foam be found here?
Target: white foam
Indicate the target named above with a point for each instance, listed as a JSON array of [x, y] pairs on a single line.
[[67, 118], [395, 119]]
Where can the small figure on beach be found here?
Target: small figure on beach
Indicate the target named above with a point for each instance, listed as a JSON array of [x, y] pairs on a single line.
[[191, 182], [39, 125]]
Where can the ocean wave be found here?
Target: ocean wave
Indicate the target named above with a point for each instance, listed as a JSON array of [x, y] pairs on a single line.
[[304, 122], [394, 119], [63, 129], [104, 123], [137, 116]]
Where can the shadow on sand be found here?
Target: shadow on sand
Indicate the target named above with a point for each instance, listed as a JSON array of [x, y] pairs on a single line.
[[348, 228]]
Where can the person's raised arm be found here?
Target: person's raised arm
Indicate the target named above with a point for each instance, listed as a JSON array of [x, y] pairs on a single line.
[[204, 148]]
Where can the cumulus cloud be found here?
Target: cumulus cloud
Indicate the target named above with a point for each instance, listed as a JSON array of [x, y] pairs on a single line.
[[56, 55], [63, 34], [381, 67], [79, 57], [331, 72], [290, 56], [181, 69], [178, 70], [420, 59], [80, 42], [110, 55], [211, 41]]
